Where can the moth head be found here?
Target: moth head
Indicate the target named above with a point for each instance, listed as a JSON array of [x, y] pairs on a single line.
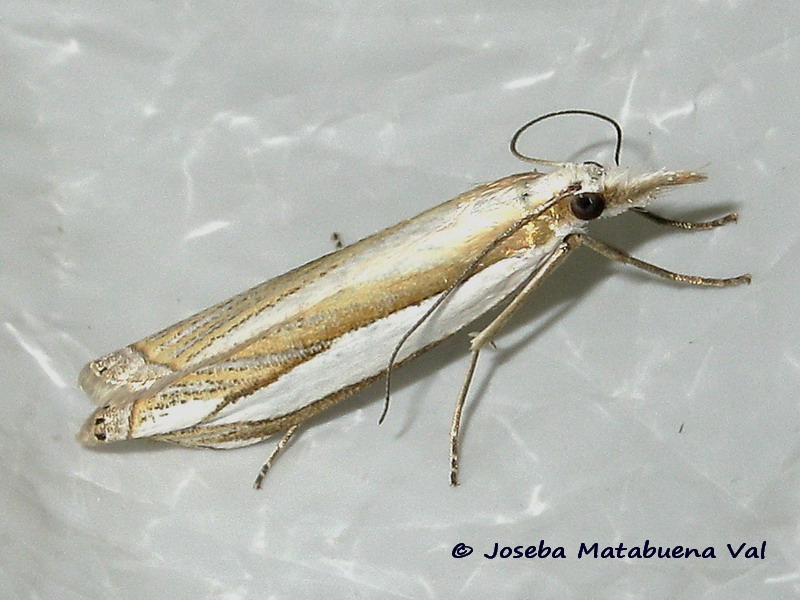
[[594, 190], [609, 191]]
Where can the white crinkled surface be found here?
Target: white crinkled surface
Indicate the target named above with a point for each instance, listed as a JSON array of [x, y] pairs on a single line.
[[157, 158]]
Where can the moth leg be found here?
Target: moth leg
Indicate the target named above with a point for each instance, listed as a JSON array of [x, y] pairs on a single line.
[[623, 257], [688, 225], [486, 336], [273, 455]]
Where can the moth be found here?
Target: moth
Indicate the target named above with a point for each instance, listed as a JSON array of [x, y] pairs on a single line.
[[270, 358]]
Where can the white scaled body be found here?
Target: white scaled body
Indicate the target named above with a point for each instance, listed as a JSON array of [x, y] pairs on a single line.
[[273, 356]]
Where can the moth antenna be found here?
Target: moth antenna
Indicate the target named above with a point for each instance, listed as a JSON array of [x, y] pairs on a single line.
[[558, 113]]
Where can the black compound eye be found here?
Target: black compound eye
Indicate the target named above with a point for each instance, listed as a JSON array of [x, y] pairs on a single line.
[[587, 206]]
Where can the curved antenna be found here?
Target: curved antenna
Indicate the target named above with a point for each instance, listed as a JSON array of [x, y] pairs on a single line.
[[558, 113]]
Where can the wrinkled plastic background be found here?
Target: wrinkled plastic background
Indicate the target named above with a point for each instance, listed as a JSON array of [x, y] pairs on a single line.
[[159, 157]]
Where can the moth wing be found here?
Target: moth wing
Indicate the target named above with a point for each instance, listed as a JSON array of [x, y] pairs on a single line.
[[199, 339]]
